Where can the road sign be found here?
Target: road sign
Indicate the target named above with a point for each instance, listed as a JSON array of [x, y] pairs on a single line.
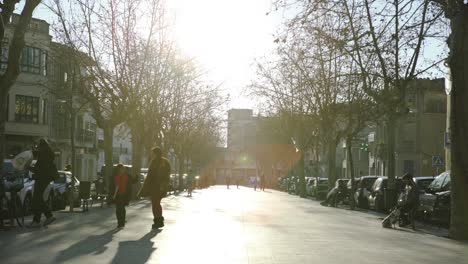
[[437, 161]]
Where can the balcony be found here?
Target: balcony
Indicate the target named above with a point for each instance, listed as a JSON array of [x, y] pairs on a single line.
[[85, 136], [27, 129]]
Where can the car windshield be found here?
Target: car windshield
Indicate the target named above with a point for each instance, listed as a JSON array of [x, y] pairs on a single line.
[[366, 182], [423, 184], [446, 184], [437, 183]]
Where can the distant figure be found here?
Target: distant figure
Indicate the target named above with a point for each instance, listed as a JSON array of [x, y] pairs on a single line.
[[262, 182], [156, 184], [121, 197], [190, 183], [228, 181], [44, 172], [255, 182], [237, 182]]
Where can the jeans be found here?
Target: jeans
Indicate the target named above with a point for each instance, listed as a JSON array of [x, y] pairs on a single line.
[[120, 211], [39, 206], [156, 205]]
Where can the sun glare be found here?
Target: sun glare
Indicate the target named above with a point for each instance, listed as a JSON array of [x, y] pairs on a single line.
[[224, 36]]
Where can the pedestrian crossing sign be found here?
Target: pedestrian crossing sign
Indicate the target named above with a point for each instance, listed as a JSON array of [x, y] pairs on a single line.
[[437, 161]]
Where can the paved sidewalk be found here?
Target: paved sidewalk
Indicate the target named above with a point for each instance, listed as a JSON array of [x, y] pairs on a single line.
[[222, 226]]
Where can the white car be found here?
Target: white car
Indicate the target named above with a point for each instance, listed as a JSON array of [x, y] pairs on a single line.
[[26, 193], [62, 188]]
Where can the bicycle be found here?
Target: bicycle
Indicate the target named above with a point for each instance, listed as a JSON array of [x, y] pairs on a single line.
[[11, 207]]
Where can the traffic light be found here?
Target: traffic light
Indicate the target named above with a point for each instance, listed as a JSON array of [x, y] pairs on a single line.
[[364, 147]]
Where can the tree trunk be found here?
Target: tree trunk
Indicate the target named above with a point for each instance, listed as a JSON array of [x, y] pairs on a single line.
[[391, 137], [458, 60], [3, 120], [331, 164], [181, 173], [137, 155], [108, 153], [352, 204], [302, 184], [73, 157]]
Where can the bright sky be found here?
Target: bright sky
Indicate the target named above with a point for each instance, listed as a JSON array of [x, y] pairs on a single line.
[[225, 36]]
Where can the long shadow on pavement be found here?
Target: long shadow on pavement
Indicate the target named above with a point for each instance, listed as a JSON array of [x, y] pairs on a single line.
[[92, 244], [136, 251]]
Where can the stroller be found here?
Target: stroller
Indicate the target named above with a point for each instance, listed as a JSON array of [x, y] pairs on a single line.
[[397, 215]]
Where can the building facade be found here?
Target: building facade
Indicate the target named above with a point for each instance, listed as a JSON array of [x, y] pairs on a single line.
[[419, 134], [28, 108]]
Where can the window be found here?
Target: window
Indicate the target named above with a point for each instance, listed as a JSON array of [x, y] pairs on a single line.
[[408, 166], [44, 63], [31, 60], [44, 112], [7, 108], [4, 56], [435, 104], [27, 109]]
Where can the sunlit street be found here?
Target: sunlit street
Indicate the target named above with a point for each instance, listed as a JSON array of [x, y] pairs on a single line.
[[218, 225], [234, 131]]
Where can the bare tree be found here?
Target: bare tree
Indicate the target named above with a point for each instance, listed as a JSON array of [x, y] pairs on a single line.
[[116, 36], [16, 32]]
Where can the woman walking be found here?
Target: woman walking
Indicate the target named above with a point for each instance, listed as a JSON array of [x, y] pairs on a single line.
[[121, 194]]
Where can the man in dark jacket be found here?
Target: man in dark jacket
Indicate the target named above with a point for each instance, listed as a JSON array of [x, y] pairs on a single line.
[[156, 184], [44, 171]]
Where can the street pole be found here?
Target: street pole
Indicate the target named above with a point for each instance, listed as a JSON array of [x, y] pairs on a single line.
[[72, 144]]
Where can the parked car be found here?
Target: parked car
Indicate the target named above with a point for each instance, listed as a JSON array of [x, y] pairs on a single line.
[[363, 187], [310, 183], [423, 182], [337, 194], [283, 183], [143, 174], [378, 192], [62, 191], [25, 177], [320, 188], [292, 184], [435, 202]]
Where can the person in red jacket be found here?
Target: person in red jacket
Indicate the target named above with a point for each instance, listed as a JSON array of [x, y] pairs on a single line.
[[121, 182]]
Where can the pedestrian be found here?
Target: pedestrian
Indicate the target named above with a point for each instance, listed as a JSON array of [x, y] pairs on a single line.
[[190, 183], [121, 194], [262, 182], [156, 184], [237, 182], [44, 171], [411, 202], [255, 182], [228, 181]]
